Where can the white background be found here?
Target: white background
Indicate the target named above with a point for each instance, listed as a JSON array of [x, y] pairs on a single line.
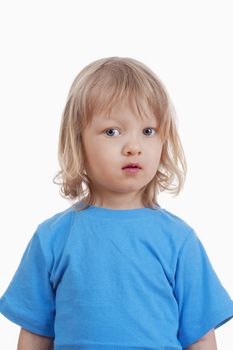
[[44, 44]]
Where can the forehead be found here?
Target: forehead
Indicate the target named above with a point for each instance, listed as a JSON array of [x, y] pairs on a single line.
[[139, 110]]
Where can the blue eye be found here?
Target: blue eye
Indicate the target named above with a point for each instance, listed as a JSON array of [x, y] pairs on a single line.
[[149, 129], [110, 132]]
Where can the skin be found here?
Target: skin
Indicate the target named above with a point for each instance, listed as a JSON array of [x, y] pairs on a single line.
[[111, 144], [31, 341], [208, 342]]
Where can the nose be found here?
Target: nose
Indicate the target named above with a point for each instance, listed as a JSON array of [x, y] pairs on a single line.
[[132, 148]]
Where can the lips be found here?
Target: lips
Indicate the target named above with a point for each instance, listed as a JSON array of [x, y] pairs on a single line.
[[132, 165]]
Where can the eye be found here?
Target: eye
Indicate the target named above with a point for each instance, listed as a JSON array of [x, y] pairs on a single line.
[[149, 132], [110, 132]]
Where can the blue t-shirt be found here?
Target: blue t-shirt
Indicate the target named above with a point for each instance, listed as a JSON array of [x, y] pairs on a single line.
[[102, 279]]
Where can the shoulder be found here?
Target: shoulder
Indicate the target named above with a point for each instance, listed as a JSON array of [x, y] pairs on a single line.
[[53, 231], [174, 225], [173, 219], [57, 221]]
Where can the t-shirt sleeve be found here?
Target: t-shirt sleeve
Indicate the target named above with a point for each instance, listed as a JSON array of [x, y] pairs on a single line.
[[203, 302], [29, 298]]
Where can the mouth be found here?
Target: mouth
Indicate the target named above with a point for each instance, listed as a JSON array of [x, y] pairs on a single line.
[[132, 166], [131, 170]]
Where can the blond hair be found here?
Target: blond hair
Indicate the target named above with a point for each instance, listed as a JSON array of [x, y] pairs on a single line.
[[98, 88]]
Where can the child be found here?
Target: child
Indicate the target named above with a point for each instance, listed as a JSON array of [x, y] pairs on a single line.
[[116, 270]]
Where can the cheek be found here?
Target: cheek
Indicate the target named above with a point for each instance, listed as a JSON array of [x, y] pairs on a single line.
[[155, 156], [155, 150], [100, 153], [107, 147]]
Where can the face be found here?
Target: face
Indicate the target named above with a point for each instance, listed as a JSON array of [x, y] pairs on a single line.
[[112, 142]]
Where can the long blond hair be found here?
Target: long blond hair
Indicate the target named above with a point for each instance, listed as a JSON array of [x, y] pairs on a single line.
[[97, 88]]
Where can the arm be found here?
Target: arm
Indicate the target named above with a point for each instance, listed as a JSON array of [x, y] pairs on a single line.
[[32, 341], [208, 342]]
